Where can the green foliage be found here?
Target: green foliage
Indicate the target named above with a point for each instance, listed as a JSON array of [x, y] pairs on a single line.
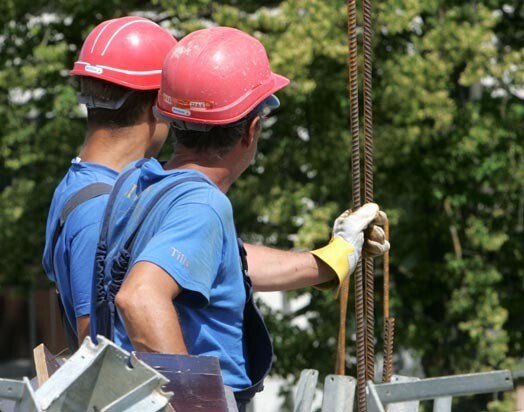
[[449, 158]]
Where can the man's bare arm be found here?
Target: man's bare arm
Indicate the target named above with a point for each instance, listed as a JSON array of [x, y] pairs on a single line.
[[273, 269], [145, 302], [82, 328]]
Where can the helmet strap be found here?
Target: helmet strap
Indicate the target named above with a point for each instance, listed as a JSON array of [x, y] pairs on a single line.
[[92, 102]]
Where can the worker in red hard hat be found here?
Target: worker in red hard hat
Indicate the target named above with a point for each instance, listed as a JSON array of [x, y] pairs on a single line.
[[185, 285], [119, 70]]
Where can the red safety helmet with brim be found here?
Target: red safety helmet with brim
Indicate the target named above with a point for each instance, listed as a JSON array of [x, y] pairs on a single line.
[[128, 51], [216, 76]]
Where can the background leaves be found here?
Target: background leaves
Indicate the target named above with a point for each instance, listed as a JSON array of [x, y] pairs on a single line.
[[449, 167]]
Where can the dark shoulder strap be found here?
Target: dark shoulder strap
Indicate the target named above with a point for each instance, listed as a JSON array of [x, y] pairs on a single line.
[[152, 203], [83, 195], [105, 290], [112, 198]]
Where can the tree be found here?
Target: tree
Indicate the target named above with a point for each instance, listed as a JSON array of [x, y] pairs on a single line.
[[448, 91]]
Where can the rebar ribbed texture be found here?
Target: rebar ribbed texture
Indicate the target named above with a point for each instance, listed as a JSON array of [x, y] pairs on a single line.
[[389, 332], [389, 323], [355, 173], [386, 273], [340, 368], [368, 185]]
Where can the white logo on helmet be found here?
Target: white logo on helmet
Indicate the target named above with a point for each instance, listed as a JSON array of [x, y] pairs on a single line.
[[197, 105], [167, 98], [93, 69], [181, 112]]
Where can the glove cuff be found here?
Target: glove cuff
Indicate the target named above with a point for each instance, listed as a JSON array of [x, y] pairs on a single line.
[[335, 254]]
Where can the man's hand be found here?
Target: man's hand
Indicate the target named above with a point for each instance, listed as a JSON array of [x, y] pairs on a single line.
[[362, 230], [353, 233], [375, 243]]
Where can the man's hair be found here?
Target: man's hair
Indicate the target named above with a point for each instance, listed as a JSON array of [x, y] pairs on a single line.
[[215, 142], [127, 114]]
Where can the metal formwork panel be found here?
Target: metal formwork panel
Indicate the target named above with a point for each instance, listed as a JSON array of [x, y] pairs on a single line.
[[406, 406], [446, 386], [306, 387], [17, 396], [339, 393], [103, 377]]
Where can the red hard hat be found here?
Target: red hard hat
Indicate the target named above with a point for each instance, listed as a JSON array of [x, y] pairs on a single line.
[[128, 51], [215, 76]]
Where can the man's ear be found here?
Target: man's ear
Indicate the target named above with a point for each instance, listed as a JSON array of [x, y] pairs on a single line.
[[253, 131]]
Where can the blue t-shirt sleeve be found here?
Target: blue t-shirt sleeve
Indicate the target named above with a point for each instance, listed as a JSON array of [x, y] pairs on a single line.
[[188, 245], [83, 250]]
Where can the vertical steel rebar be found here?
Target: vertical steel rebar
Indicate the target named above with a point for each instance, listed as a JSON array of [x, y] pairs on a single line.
[[389, 329], [368, 185], [389, 323], [386, 273], [340, 368], [355, 168]]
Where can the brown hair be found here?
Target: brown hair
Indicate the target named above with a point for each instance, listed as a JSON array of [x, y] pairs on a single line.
[[127, 114]]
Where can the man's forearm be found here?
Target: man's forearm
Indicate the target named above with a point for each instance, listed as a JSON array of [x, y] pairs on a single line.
[[82, 328], [154, 328], [273, 269], [146, 306]]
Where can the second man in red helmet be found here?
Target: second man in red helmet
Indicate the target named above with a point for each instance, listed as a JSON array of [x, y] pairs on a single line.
[[119, 70]]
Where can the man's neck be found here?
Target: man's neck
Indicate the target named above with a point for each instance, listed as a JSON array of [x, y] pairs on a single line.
[[114, 148], [216, 170]]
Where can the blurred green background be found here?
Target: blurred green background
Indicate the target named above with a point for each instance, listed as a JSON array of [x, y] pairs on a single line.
[[449, 165]]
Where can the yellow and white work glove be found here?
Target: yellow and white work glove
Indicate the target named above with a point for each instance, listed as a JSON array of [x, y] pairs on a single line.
[[354, 233]]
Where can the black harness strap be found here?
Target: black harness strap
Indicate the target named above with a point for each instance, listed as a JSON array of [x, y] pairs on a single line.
[[257, 341], [83, 195], [98, 283], [103, 313]]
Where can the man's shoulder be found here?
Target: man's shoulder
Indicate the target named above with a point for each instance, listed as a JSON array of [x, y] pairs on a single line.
[[78, 177], [89, 210]]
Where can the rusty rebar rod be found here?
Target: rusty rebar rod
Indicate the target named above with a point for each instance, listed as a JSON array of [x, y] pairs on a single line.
[[368, 184], [355, 168], [386, 273], [389, 323], [389, 329], [340, 368]]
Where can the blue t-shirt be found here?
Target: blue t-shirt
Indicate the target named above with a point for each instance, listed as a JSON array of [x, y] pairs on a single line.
[[75, 248], [190, 234]]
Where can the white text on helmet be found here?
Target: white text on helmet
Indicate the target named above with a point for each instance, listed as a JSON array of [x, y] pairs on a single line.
[[181, 112], [167, 98], [93, 69]]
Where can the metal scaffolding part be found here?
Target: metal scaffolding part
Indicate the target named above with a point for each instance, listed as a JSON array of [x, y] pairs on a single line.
[[17, 396], [404, 393], [339, 393], [305, 392], [101, 377], [410, 406], [441, 390]]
